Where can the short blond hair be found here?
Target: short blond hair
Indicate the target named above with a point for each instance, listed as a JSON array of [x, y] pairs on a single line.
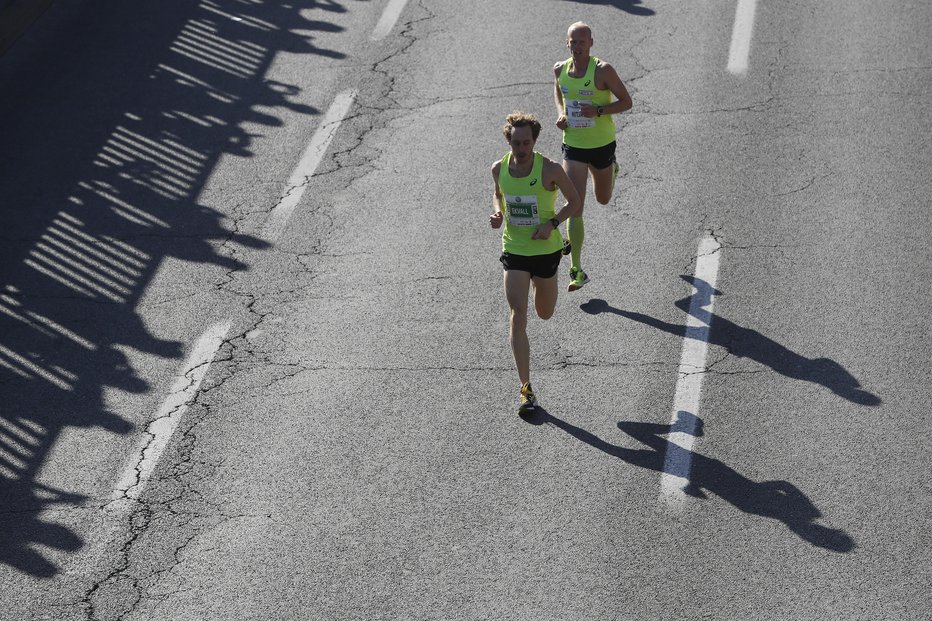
[[579, 26]]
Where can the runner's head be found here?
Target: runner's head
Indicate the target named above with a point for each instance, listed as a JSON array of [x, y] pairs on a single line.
[[579, 39], [521, 131]]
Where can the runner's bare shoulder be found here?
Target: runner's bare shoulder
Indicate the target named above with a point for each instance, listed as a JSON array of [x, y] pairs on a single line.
[[604, 73], [550, 171], [603, 67]]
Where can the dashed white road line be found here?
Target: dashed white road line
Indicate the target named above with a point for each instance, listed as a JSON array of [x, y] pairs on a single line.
[[741, 37], [685, 418], [389, 17], [311, 158], [142, 463]]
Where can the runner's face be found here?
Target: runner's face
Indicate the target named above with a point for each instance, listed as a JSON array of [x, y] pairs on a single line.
[[522, 143], [579, 41]]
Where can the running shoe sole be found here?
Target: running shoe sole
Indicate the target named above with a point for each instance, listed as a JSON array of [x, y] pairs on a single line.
[[527, 409], [575, 285]]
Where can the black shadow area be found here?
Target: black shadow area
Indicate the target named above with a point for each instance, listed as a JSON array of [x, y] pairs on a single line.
[[628, 6], [777, 500], [748, 343], [112, 117]]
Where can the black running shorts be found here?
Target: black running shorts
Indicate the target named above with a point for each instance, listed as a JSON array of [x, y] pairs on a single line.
[[541, 265], [598, 158]]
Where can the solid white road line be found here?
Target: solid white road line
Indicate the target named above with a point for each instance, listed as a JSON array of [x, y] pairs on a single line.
[[684, 422], [741, 37], [311, 158], [389, 17], [162, 427]]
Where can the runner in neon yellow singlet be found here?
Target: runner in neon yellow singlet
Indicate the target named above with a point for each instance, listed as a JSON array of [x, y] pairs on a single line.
[[526, 185], [527, 204], [585, 132], [583, 90]]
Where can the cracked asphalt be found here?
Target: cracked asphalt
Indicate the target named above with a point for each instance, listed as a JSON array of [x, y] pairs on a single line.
[[352, 451]]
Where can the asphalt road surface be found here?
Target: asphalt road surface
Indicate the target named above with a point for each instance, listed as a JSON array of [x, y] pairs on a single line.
[[253, 339]]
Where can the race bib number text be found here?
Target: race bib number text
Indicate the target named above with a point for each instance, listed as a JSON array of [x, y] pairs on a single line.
[[574, 115], [522, 210]]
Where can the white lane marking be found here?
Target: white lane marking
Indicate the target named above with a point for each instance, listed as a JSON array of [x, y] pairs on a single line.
[[160, 430], [311, 158], [389, 17], [741, 37], [684, 422]]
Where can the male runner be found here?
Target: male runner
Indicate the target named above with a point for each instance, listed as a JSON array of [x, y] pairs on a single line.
[[526, 186], [583, 89]]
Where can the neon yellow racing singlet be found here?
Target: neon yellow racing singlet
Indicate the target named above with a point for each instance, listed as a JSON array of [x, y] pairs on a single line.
[[526, 204], [582, 132]]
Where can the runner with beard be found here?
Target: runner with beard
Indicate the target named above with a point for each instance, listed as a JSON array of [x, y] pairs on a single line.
[[526, 185]]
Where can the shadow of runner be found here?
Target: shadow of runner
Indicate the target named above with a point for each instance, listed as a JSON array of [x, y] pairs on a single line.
[[628, 6], [103, 169], [748, 343], [778, 500]]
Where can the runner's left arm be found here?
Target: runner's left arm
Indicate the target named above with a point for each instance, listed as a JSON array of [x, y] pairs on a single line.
[[555, 176], [607, 79]]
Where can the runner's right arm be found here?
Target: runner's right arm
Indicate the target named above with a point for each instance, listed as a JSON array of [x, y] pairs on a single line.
[[558, 96], [495, 220]]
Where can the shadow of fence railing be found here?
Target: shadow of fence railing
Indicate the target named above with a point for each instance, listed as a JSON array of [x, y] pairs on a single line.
[[16, 16], [108, 139]]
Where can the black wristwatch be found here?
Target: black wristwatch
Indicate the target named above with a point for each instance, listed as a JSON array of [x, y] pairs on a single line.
[[599, 110], [554, 222]]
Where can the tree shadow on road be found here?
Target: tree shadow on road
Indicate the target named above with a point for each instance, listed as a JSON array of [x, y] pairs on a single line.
[[777, 500], [104, 172], [747, 343]]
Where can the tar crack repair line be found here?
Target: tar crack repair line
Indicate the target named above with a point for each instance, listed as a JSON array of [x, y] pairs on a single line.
[[389, 17], [160, 430], [311, 158]]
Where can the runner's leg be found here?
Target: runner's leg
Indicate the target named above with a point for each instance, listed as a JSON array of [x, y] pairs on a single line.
[[578, 174], [545, 296], [603, 182], [517, 285]]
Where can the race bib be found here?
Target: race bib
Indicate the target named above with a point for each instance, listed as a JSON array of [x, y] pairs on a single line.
[[522, 210], [574, 115]]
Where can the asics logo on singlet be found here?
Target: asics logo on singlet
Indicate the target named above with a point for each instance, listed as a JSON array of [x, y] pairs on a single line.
[[534, 181], [587, 82]]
